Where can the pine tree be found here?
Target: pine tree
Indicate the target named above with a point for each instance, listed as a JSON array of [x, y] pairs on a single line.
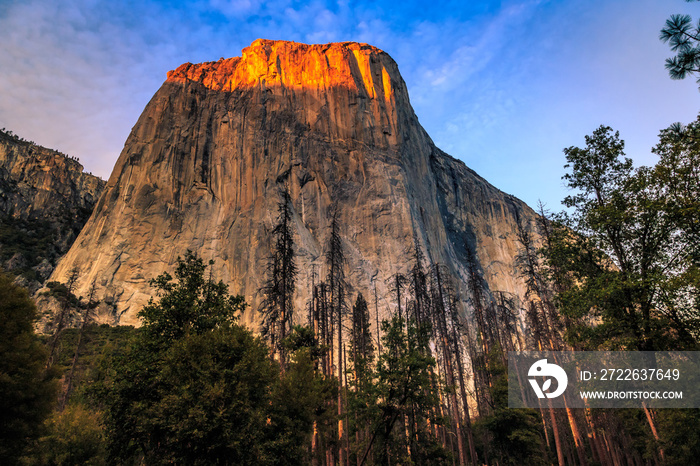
[[277, 306], [418, 283], [443, 317], [335, 261], [362, 353], [397, 284], [515, 436], [362, 401], [684, 38], [403, 382]]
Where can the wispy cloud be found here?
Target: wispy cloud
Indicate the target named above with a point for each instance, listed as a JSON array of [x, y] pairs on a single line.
[[480, 45], [73, 77], [502, 84]]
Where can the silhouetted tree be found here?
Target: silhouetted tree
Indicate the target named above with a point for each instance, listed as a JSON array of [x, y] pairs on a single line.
[[277, 306], [27, 388], [335, 261]]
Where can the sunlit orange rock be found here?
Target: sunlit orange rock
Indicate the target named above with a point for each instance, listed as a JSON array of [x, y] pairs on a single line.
[[346, 90]]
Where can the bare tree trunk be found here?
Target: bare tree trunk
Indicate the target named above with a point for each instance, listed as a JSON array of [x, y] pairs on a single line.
[[447, 354], [557, 438], [652, 425], [376, 312], [601, 453], [78, 347], [578, 439], [314, 444], [544, 426], [347, 424], [465, 402], [341, 456]]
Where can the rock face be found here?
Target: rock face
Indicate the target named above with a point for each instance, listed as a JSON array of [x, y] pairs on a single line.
[[45, 199], [204, 164]]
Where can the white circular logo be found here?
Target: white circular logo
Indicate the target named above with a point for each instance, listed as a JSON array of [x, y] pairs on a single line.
[[543, 369]]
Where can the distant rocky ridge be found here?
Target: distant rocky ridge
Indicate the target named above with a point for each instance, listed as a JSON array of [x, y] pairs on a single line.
[[204, 164], [45, 199]]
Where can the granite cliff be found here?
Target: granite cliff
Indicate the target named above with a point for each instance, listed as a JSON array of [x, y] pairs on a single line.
[[203, 166], [45, 199]]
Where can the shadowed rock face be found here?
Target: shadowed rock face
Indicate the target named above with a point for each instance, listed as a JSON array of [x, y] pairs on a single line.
[[204, 164], [45, 199]]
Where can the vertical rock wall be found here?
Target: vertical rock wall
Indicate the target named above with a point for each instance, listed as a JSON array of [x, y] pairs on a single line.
[[204, 164]]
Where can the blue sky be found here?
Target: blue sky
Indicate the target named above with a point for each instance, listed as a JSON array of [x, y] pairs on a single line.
[[502, 85]]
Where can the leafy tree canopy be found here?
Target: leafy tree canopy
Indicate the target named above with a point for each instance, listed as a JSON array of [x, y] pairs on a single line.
[[192, 304], [625, 257], [510, 436], [73, 436], [195, 387], [27, 390]]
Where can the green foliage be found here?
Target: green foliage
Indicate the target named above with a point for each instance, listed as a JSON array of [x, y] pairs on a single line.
[[303, 338], [210, 401], [190, 305], [404, 389], [510, 436], [27, 390], [61, 292], [362, 398], [76, 435], [175, 390], [679, 436], [300, 397], [99, 343], [625, 265], [597, 170], [362, 353], [621, 258], [73, 437], [32, 239], [677, 174], [44, 235], [194, 387], [684, 38]]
